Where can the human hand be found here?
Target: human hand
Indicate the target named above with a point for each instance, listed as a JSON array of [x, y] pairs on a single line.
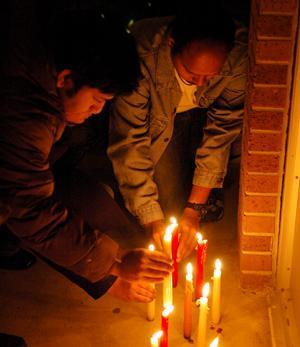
[[188, 228], [132, 291], [156, 229], [141, 264]]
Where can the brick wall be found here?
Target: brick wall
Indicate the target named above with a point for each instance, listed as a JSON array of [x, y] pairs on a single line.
[[271, 44]]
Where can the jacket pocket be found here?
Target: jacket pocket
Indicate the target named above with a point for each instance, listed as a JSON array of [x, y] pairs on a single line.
[[157, 126]]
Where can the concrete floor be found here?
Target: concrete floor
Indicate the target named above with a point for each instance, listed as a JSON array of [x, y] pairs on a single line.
[[47, 310]]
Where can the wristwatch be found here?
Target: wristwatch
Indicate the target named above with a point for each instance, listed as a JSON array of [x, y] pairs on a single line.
[[201, 209]]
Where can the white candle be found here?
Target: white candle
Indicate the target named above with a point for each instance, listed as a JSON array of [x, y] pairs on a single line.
[[167, 284], [188, 298], [151, 305], [215, 342], [216, 295], [202, 324], [155, 338]]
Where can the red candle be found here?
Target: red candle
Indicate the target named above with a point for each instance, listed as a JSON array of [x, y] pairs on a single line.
[[175, 242], [165, 325], [201, 256]]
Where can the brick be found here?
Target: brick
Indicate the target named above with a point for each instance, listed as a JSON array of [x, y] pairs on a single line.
[[256, 281], [269, 74], [265, 142], [273, 51], [277, 6], [265, 120], [258, 224], [262, 163], [256, 243], [274, 26], [256, 262], [260, 204], [261, 183], [268, 97]]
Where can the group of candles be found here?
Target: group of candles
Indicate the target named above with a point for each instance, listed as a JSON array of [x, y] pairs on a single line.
[[201, 293]]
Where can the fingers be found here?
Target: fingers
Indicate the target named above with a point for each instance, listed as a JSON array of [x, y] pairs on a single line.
[[159, 257], [139, 292], [182, 245], [187, 243], [140, 298], [157, 237], [148, 272], [145, 289]]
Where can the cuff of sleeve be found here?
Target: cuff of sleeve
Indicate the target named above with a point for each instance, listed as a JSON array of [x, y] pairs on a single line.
[[102, 286], [149, 214], [208, 179], [97, 263]]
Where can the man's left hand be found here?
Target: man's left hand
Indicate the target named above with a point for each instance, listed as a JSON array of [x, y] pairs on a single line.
[[188, 227]]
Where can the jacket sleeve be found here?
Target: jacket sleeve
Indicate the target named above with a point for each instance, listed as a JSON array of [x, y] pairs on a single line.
[[130, 153], [224, 125], [38, 219]]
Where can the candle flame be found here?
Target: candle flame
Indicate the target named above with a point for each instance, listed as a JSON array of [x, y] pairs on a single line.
[[199, 237], [173, 221], [168, 309], [151, 247], [168, 235], [155, 337], [215, 342], [218, 264], [189, 269], [170, 228], [205, 290]]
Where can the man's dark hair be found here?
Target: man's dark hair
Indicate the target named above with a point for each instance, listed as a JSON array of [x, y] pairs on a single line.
[[98, 51], [206, 22]]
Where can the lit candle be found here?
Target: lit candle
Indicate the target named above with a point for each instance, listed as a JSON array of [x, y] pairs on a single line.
[[175, 243], [188, 298], [151, 305], [202, 323], [215, 342], [165, 325], [155, 338], [167, 284], [216, 294], [201, 256]]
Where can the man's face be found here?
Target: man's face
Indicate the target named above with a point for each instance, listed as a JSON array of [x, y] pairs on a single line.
[[82, 104], [199, 61]]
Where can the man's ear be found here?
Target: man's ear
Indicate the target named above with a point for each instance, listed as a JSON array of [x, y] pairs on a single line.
[[62, 78], [171, 41]]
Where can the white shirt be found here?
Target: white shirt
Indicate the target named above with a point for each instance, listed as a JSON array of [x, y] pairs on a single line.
[[188, 99]]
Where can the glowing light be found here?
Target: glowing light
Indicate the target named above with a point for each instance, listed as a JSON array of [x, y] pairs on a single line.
[[169, 309], [218, 264], [151, 247], [155, 338], [199, 237], [189, 272], [215, 342], [205, 290]]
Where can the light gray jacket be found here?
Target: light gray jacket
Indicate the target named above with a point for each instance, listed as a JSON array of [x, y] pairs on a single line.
[[141, 124]]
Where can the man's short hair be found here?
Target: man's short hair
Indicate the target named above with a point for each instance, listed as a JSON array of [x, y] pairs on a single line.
[[98, 51], [204, 22]]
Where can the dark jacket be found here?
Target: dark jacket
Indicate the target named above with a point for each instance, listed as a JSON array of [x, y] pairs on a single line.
[[31, 121]]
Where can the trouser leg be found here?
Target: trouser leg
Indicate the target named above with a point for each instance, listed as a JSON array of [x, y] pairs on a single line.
[[174, 171], [87, 197]]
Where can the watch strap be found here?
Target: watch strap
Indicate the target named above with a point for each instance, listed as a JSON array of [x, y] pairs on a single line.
[[201, 209]]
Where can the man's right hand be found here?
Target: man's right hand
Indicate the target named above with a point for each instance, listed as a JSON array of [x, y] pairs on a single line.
[[140, 264], [156, 229], [132, 291]]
